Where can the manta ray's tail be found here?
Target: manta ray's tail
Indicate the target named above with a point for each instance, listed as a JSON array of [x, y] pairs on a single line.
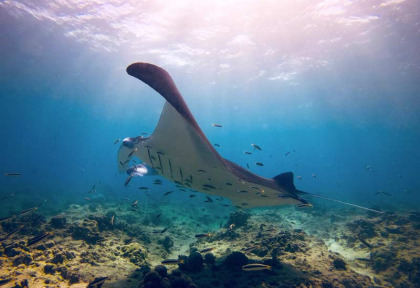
[[338, 201]]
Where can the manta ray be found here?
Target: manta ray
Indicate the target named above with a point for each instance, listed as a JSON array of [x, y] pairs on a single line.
[[179, 151]]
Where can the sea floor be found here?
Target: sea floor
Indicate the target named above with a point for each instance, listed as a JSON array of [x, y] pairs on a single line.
[[304, 248]]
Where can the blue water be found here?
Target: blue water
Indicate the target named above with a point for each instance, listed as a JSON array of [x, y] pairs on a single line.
[[347, 111]]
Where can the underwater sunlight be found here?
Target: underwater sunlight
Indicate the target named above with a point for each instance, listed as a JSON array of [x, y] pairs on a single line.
[[209, 144]]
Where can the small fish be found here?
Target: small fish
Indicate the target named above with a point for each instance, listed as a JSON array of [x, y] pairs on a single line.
[[125, 162], [157, 181], [228, 183], [132, 152], [231, 226], [299, 177], [92, 190], [158, 216], [206, 250], [368, 167], [383, 192], [256, 147], [97, 282], [144, 133], [5, 280], [164, 230], [265, 285], [191, 196], [11, 233], [144, 188], [216, 125], [209, 199], [12, 174], [256, 267], [88, 199], [112, 220], [364, 260], [117, 140], [259, 164], [172, 261], [167, 193], [303, 205], [209, 186], [6, 218], [226, 205], [128, 179], [28, 210], [135, 203], [217, 145], [365, 242], [247, 165], [314, 175], [201, 170], [139, 170], [202, 235], [287, 153], [128, 241], [38, 238], [250, 248], [247, 152]]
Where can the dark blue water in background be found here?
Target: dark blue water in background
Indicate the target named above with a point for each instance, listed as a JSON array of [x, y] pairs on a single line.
[[354, 124]]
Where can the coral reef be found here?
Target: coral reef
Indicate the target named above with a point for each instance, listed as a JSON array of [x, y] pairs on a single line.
[[339, 264], [238, 218], [235, 261], [192, 263], [160, 279], [86, 230], [58, 222], [135, 253], [301, 249], [209, 259], [167, 243]]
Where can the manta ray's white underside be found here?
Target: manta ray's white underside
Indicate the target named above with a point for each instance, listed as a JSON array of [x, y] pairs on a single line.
[[179, 151]]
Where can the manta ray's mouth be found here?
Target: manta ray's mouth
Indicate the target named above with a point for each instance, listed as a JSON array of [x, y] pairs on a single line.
[[128, 142]]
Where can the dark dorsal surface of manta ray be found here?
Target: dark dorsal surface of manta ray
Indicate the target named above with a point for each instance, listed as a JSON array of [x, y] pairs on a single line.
[[179, 151]]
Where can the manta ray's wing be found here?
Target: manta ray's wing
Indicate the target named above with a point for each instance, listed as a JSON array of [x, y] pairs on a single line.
[[179, 151]]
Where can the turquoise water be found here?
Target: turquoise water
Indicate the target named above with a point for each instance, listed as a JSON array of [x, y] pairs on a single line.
[[343, 100], [328, 89]]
